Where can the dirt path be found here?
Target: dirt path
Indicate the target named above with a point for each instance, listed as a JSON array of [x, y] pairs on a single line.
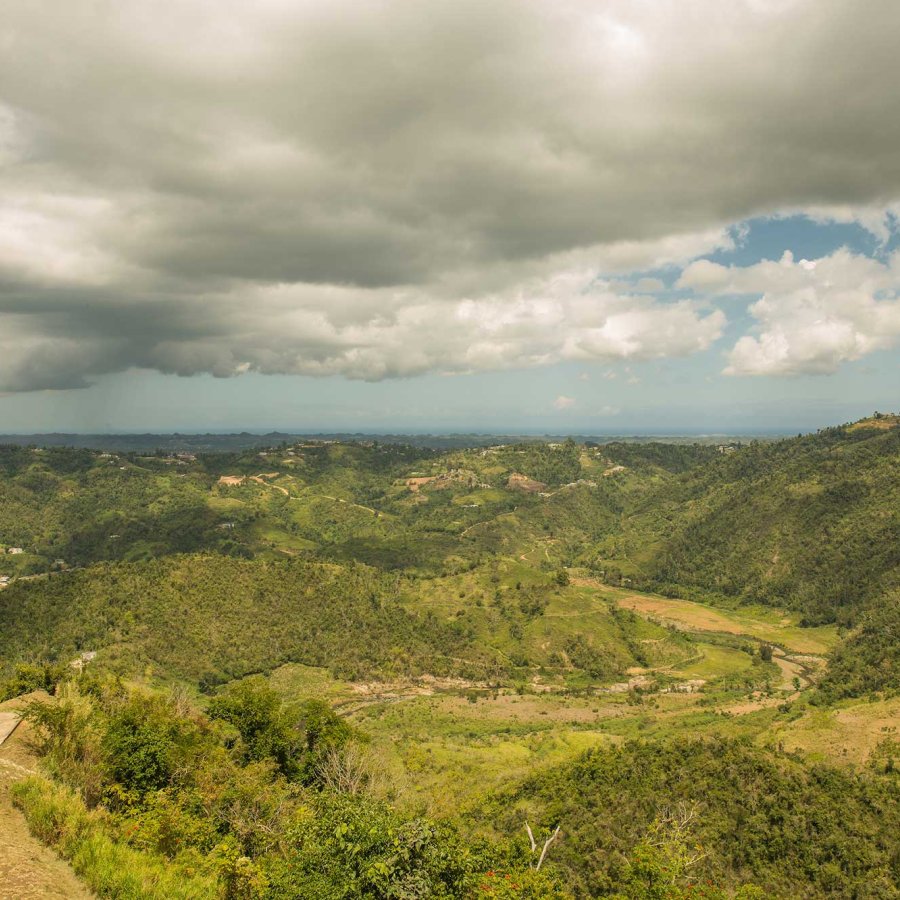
[[349, 503], [28, 869], [465, 531], [275, 487], [8, 722]]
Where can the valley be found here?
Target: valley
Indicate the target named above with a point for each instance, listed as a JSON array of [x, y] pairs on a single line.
[[452, 642]]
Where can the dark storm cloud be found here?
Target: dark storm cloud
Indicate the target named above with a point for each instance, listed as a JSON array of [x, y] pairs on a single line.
[[385, 188]]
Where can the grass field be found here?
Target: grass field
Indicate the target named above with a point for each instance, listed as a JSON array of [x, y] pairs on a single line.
[[447, 742], [850, 733], [763, 623]]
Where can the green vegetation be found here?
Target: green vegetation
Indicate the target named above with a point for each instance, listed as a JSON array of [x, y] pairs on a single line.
[[160, 795], [235, 617], [110, 867], [800, 831], [868, 661], [812, 524], [357, 669]]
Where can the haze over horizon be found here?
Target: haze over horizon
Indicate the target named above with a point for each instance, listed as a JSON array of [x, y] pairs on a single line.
[[576, 217]]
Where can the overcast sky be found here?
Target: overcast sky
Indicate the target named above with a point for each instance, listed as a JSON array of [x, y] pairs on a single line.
[[569, 215]]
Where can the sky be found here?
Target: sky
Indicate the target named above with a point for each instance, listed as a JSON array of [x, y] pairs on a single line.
[[592, 216]]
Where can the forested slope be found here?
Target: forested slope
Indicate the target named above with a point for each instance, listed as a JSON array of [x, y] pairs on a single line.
[[760, 817], [811, 523], [652, 740], [217, 618]]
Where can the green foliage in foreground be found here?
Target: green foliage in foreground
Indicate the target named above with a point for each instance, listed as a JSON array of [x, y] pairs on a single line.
[[26, 678], [154, 794], [58, 816], [799, 831], [157, 793], [212, 619], [298, 742]]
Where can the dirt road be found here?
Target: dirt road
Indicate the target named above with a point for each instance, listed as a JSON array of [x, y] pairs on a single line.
[[28, 869]]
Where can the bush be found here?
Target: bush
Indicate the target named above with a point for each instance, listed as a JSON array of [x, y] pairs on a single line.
[[58, 817]]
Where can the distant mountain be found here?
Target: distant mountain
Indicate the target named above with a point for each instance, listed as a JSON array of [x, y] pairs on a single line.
[[224, 443]]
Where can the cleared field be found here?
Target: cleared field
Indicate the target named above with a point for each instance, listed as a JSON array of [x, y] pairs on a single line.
[[775, 626], [848, 734], [449, 752], [714, 663]]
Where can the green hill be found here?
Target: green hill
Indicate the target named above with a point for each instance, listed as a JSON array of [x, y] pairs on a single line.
[[811, 523], [498, 631], [759, 817], [215, 618]]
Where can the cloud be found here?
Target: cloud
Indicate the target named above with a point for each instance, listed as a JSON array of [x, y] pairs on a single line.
[[339, 330], [812, 315], [563, 402], [379, 189]]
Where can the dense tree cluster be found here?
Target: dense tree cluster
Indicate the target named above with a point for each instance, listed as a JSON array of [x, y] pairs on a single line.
[[170, 796], [762, 817], [234, 617]]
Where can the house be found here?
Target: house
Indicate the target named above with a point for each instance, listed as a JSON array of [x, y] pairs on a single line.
[[4, 580], [82, 660], [15, 550]]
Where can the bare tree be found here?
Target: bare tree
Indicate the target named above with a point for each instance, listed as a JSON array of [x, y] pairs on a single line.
[[353, 769], [671, 832], [553, 836]]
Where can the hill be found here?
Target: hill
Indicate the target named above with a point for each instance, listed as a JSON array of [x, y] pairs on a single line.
[[811, 523], [320, 641], [233, 616], [758, 816]]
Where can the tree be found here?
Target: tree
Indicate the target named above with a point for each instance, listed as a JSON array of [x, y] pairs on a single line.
[[254, 709]]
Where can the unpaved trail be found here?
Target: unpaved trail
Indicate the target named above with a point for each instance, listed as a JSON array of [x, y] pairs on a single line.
[[348, 503], [28, 869], [275, 487], [9, 719]]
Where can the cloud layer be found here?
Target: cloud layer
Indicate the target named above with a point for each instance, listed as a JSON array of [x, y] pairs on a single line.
[[813, 315], [386, 188]]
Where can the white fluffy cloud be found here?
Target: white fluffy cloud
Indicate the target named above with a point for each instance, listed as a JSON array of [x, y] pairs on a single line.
[[812, 315], [379, 188]]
